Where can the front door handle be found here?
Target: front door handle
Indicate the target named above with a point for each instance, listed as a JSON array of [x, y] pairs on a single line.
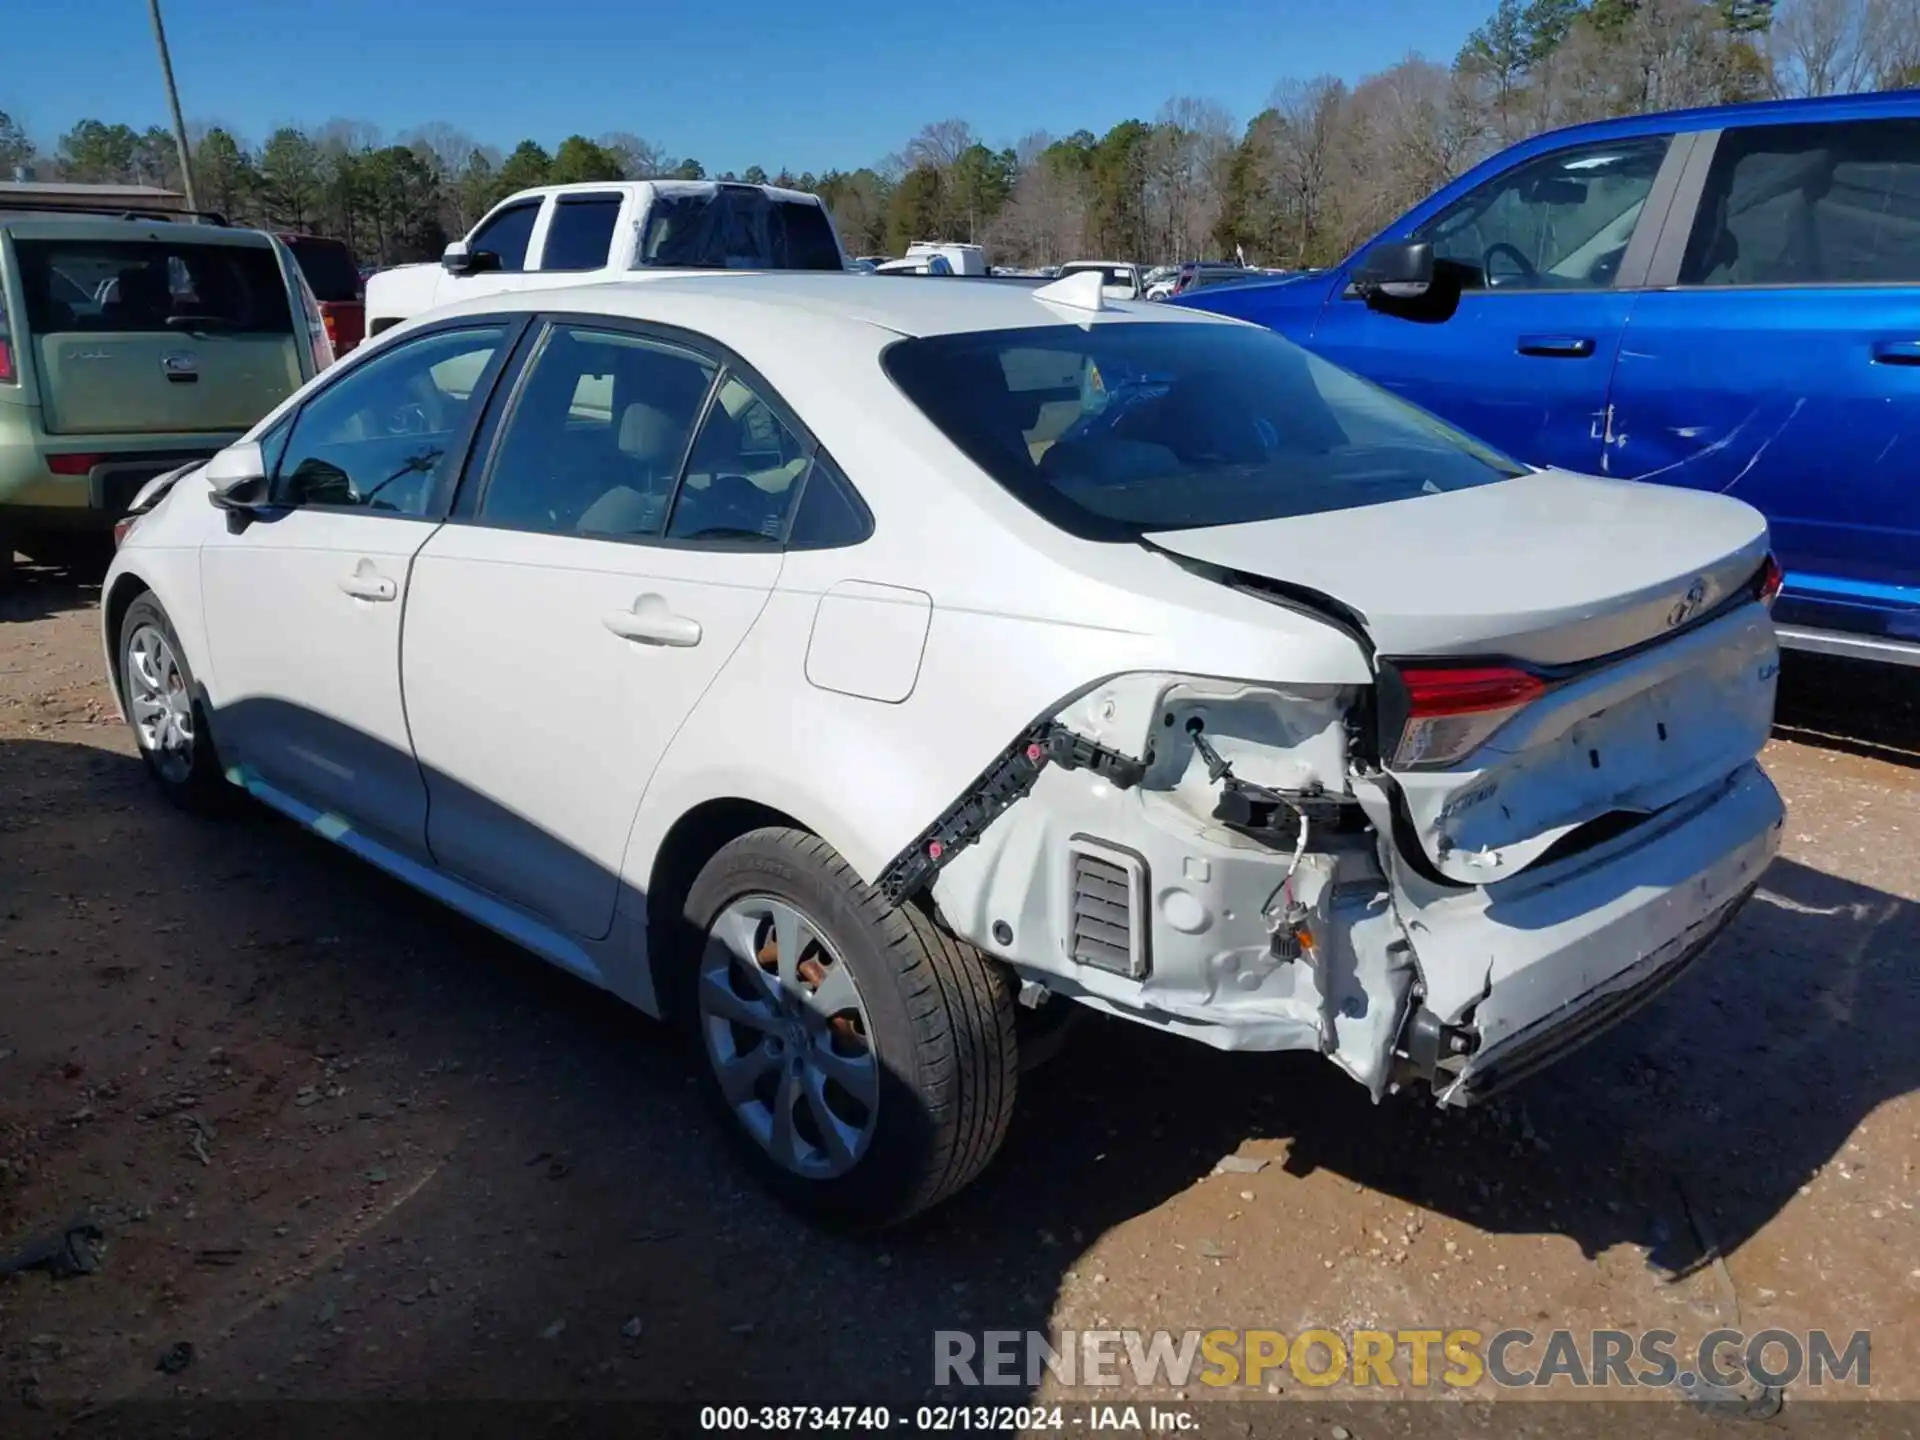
[[364, 584], [1896, 352], [1570, 347], [651, 622]]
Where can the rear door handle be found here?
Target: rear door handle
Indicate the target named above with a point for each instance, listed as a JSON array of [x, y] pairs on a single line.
[[363, 584], [651, 622], [1571, 347], [1896, 352]]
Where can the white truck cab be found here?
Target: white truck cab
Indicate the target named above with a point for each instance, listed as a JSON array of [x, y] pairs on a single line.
[[558, 235]]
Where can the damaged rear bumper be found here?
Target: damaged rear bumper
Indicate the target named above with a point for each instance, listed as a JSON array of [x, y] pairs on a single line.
[[1118, 889], [1581, 947]]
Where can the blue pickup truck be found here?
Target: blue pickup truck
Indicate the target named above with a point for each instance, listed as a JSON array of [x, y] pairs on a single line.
[[1727, 299]]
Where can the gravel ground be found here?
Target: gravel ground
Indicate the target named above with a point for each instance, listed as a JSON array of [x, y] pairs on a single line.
[[346, 1145]]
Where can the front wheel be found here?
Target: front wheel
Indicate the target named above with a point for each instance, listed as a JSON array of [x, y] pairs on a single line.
[[163, 706], [866, 1059]]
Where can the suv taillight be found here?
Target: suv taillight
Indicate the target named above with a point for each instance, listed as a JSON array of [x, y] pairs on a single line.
[[7, 377], [1772, 578], [1452, 710]]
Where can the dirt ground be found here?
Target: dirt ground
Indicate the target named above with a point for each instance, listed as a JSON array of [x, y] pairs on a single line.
[[347, 1145]]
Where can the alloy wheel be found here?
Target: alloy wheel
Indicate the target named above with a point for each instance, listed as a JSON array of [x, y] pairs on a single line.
[[788, 1037], [161, 702]]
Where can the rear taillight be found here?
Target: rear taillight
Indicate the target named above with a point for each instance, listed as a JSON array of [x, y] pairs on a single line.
[[1772, 577], [332, 325], [1452, 710], [73, 464], [122, 527], [7, 377]]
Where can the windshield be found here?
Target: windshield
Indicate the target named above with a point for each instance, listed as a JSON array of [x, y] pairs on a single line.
[[1122, 428], [136, 285], [737, 229]]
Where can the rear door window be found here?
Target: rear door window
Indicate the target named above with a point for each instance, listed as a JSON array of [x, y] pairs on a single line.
[[580, 235], [596, 436], [1810, 205], [134, 286], [742, 473], [737, 228]]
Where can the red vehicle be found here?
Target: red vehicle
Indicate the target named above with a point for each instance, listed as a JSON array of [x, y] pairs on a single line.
[[334, 277]]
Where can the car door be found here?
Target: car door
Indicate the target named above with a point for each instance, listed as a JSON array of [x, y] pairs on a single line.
[[1780, 360], [304, 603], [600, 569], [1547, 254], [507, 235]]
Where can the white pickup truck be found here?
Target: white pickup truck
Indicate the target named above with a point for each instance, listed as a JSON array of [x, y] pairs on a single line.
[[621, 230]]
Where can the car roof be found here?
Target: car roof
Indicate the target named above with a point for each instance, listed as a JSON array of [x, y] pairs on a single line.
[[1825, 108], [95, 227], [935, 306]]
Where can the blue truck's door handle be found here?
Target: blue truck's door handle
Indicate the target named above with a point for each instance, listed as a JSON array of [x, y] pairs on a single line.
[[1896, 352], [1576, 347]]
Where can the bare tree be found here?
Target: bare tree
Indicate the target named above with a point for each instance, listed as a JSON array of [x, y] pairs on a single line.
[[1045, 220], [447, 148], [640, 159], [1829, 47], [1894, 26], [940, 144], [1404, 133], [1306, 163], [1188, 158], [348, 137]]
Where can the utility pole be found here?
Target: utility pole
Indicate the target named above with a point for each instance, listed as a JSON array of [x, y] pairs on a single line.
[[173, 103]]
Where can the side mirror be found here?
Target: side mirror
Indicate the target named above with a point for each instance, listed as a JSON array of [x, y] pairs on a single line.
[[1394, 270], [456, 259], [238, 477]]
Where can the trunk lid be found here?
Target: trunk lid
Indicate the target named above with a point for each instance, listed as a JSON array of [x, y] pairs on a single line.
[[1616, 607], [168, 329], [1549, 568], [118, 384]]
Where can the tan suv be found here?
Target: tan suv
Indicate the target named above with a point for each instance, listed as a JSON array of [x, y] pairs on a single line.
[[130, 347]]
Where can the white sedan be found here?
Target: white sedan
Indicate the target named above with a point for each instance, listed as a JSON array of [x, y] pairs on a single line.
[[867, 675]]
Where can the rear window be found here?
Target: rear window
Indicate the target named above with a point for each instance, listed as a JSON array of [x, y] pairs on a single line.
[[1119, 429], [328, 266], [145, 285], [737, 229]]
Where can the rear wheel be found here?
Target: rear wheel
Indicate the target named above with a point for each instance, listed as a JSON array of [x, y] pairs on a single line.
[[169, 722], [865, 1059]]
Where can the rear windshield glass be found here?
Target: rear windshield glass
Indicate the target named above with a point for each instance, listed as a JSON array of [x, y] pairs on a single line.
[[139, 285], [1119, 429], [328, 266], [741, 229]]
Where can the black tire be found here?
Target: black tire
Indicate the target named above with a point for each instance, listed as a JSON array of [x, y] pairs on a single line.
[[197, 785], [940, 1020]]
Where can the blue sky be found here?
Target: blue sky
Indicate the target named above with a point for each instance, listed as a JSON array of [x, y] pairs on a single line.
[[734, 84]]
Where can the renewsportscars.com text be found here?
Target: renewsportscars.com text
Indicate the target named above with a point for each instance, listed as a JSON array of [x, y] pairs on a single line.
[[1414, 1359]]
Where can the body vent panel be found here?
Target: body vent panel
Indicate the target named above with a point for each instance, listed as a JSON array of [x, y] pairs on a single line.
[[1106, 893]]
